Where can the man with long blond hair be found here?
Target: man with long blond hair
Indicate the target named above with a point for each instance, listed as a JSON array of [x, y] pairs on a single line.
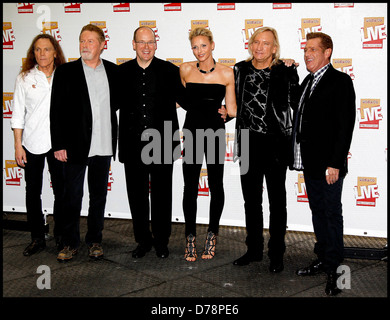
[[266, 91]]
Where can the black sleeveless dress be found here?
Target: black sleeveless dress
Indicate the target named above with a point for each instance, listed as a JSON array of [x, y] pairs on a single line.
[[204, 100]]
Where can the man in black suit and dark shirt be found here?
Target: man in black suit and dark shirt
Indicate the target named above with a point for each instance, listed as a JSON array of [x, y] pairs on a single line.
[[151, 87], [322, 136]]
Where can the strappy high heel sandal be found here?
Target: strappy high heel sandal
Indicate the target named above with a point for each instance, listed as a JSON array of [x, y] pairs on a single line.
[[209, 250], [190, 253]]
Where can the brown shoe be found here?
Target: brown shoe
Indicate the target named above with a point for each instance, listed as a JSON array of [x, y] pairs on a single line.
[[34, 247], [96, 251], [66, 254]]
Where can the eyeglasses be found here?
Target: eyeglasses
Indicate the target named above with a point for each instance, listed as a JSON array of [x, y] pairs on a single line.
[[143, 43]]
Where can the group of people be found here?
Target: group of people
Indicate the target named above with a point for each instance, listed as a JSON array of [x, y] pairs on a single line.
[[66, 113]]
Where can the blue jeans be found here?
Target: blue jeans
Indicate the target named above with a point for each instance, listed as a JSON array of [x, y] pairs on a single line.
[[326, 208], [98, 171]]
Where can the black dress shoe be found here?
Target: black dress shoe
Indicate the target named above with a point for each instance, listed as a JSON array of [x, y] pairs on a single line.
[[140, 251], [246, 259], [34, 247], [276, 265], [331, 288], [316, 267], [162, 252]]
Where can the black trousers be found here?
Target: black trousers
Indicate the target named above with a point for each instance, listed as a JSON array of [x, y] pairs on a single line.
[[265, 161], [152, 181], [326, 207], [33, 172], [98, 172], [191, 174]]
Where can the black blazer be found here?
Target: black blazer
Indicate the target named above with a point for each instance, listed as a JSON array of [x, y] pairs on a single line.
[[71, 113], [327, 124], [169, 91]]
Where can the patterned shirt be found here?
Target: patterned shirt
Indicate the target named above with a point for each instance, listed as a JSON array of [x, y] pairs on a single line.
[[297, 147], [255, 100]]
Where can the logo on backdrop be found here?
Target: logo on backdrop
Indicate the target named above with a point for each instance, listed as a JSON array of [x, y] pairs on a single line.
[[308, 25], [25, 7], [199, 23], [366, 191], [110, 180], [370, 113], [230, 62], [151, 24], [71, 7], [300, 189], [282, 5], [8, 36], [229, 146], [226, 6], [7, 103], [344, 65], [176, 61], [343, 5], [51, 27], [122, 60], [251, 25], [121, 7], [102, 25], [203, 188], [373, 33], [12, 173], [229, 155], [172, 6]]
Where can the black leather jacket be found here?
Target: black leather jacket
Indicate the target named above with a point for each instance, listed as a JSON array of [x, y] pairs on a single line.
[[283, 95]]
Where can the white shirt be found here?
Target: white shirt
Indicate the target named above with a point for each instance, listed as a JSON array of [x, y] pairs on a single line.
[[31, 110]]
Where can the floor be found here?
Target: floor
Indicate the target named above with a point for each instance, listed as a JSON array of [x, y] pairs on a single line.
[[214, 287]]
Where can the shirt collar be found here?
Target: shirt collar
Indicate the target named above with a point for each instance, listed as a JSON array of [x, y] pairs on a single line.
[[321, 71], [37, 71], [99, 66], [149, 67]]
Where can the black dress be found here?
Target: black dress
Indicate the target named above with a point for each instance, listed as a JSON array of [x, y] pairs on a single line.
[[204, 134]]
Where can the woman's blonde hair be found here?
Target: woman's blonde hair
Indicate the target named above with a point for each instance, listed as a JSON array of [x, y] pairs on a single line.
[[276, 55], [200, 31]]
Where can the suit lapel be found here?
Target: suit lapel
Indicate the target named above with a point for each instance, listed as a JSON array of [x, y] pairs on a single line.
[[323, 83]]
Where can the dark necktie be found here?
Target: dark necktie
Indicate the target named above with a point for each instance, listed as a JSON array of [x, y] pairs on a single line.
[[300, 110]]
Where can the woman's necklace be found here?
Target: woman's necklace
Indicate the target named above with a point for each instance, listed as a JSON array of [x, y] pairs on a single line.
[[202, 71]]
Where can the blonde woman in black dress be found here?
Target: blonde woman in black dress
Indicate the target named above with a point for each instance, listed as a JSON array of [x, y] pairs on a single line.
[[207, 84]]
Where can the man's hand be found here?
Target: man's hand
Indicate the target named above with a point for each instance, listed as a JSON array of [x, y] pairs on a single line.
[[61, 155], [332, 175], [20, 156], [290, 62], [223, 112]]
